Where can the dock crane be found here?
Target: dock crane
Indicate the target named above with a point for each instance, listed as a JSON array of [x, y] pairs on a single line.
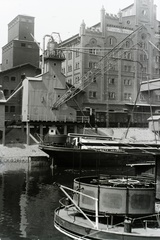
[[106, 61]]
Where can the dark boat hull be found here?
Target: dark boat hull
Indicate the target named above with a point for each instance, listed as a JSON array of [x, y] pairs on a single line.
[[76, 157]]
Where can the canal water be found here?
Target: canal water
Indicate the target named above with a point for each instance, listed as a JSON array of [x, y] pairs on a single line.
[[28, 198]]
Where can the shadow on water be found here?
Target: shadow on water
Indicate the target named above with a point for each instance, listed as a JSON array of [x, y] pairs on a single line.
[[28, 199]]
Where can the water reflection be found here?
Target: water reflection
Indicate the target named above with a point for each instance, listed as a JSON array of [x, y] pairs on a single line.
[[28, 199], [27, 202]]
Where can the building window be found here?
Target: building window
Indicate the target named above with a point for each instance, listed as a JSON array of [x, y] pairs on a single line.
[[23, 20], [69, 55], [12, 109], [6, 92], [143, 57], [158, 98], [77, 79], [93, 64], [63, 70], [142, 97], [13, 78], [92, 94], [94, 79], [127, 82], [92, 51], [90, 64], [77, 65], [127, 68], [158, 59], [70, 81], [157, 70], [111, 81], [127, 55], [144, 12], [110, 41], [143, 45], [111, 66], [144, 69], [127, 44], [70, 68], [143, 36], [6, 109], [23, 44], [128, 96], [111, 95], [77, 53]]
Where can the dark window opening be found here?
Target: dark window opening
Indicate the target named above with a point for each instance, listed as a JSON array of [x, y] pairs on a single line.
[[12, 109], [6, 108], [13, 78]]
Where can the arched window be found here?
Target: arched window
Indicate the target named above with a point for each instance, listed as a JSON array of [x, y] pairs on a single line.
[[127, 44], [111, 41], [127, 55]]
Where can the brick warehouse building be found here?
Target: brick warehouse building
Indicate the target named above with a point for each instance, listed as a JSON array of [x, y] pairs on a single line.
[[117, 54], [20, 56]]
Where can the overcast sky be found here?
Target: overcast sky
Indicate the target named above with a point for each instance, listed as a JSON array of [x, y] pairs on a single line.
[[62, 16]]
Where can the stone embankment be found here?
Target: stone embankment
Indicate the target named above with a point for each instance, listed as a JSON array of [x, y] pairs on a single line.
[[20, 152]]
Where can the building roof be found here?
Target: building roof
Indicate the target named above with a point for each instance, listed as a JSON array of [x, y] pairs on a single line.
[[19, 66], [34, 78], [128, 7], [18, 16], [152, 84], [69, 39], [142, 104], [157, 117]]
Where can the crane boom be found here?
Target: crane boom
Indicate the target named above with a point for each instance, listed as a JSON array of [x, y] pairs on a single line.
[[107, 60]]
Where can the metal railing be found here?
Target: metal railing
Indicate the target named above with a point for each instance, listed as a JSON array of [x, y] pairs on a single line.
[[62, 118]]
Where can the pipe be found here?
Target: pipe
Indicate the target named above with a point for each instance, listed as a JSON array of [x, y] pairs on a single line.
[[47, 35], [14, 93]]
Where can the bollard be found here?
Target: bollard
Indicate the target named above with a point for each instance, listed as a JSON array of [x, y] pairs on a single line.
[[127, 225]]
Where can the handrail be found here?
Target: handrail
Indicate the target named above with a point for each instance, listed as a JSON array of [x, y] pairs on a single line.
[[95, 199]]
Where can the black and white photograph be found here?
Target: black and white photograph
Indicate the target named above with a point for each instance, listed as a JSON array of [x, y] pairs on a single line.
[[80, 120]]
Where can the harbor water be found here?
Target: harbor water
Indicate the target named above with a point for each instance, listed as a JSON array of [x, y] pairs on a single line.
[[28, 198]]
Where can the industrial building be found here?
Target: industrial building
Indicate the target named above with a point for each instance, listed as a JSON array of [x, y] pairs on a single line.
[[20, 57], [110, 60]]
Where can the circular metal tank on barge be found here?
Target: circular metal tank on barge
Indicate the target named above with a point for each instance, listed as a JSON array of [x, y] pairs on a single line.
[[116, 195]]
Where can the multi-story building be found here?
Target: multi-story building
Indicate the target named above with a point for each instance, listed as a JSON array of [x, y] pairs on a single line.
[[11, 81], [110, 60], [20, 56], [21, 47]]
